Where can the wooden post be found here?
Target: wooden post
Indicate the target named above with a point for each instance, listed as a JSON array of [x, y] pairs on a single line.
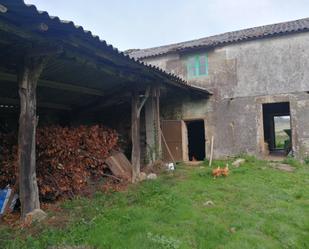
[[135, 129], [28, 188], [152, 120], [137, 106], [158, 125], [150, 128], [211, 150]]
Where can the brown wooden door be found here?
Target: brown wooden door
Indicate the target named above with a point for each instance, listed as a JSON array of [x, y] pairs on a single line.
[[173, 132]]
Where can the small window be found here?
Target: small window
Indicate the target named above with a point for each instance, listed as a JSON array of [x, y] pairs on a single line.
[[197, 66]]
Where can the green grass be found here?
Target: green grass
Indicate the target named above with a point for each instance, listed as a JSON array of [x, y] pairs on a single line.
[[254, 207], [281, 137]]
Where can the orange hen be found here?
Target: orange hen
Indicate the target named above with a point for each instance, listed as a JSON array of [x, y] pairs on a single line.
[[225, 171], [216, 172], [221, 172]]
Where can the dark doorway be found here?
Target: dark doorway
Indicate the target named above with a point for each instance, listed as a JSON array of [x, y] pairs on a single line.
[[277, 127], [196, 140]]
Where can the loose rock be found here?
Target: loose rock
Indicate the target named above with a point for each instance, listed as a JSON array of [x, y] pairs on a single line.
[[283, 167], [142, 176], [209, 203], [238, 162], [36, 215], [152, 176]]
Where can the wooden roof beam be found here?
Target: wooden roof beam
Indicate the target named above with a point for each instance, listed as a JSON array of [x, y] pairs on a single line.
[[15, 102], [56, 85], [22, 33]]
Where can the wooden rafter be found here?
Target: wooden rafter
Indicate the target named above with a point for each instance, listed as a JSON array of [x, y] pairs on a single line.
[[15, 102], [44, 51], [56, 85]]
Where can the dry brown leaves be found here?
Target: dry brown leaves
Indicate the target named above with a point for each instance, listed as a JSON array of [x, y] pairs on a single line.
[[66, 158]]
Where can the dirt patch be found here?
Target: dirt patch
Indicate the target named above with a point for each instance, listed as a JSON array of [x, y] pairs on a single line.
[[157, 168], [111, 185], [57, 216], [194, 163], [283, 167]]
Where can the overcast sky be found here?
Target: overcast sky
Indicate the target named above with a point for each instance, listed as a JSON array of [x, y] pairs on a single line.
[[148, 23]]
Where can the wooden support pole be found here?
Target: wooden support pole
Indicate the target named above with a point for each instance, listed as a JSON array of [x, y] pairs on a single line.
[[143, 101], [137, 106], [152, 120], [211, 150], [135, 129], [150, 128], [158, 124], [27, 81]]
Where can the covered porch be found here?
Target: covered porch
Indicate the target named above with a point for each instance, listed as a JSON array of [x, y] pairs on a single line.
[[52, 71]]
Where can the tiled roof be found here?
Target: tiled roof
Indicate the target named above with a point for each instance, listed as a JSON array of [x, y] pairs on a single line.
[[30, 11], [301, 25]]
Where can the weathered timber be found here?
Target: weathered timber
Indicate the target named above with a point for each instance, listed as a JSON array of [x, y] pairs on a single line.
[[48, 105], [153, 133], [125, 72], [146, 96], [119, 165], [28, 188], [18, 31], [168, 148], [44, 51], [150, 129], [57, 85], [137, 106], [135, 129], [158, 124]]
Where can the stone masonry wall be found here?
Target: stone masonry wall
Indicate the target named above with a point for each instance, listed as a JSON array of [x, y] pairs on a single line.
[[242, 77]]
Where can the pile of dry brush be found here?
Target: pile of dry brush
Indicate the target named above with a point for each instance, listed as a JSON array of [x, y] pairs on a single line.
[[66, 158]]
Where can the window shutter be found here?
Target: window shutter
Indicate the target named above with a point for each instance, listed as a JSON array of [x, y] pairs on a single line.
[[203, 65], [197, 66], [191, 67]]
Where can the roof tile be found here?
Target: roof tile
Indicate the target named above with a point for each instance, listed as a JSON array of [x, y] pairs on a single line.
[[301, 25]]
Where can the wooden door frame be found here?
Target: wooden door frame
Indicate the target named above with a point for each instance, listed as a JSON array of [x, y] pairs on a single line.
[[260, 101]]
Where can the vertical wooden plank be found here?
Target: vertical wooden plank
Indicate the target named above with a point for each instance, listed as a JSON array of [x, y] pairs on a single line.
[[150, 128], [28, 188], [172, 131], [211, 150], [158, 125], [135, 129], [185, 141], [153, 126]]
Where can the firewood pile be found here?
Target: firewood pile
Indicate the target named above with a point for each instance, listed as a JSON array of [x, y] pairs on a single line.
[[66, 158]]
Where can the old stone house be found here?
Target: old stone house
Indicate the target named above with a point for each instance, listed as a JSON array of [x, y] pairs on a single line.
[[254, 75]]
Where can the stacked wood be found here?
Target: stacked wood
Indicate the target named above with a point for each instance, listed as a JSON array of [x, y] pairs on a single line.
[[66, 158], [8, 159]]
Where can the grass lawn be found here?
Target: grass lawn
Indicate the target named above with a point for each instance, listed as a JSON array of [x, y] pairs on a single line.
[[254, 207], [281, 137]]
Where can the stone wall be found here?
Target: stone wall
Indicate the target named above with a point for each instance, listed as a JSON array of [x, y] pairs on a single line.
[[242, 77]]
